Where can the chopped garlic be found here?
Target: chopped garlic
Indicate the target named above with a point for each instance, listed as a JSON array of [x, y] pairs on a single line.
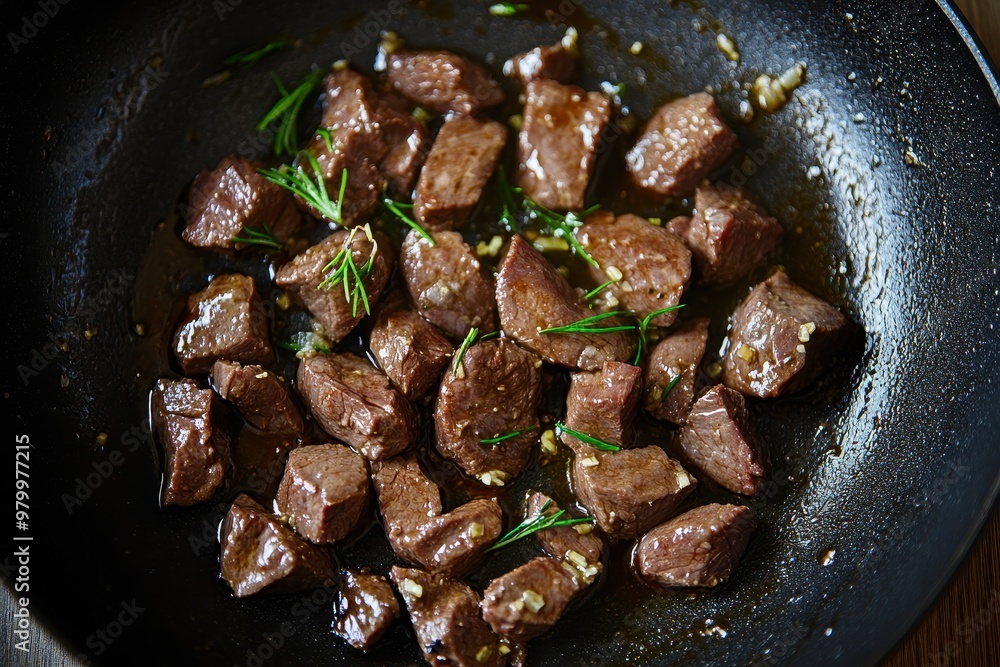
[[584, 528], [570, 39], [504, 649], [576, 558], [806, 330], [727, 46], [261, 375], [493, 478], [101, 439], [683, 481], [800, 348], [491, 249], [284, 301], [635, 49], [746, 353], [714, 369], [590, 462], [476, 530], [484, 654], [550, 244], [533, 600], [412, 587], [613, 273], [549, 442], [140, 329]]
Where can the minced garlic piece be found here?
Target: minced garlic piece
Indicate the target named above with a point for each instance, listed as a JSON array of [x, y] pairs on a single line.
[[550, 244], [613, 273], [590, 462], [549, 442], [413, 588], [476, 530], [533, 600], [584, 528], [484, 654], [805, 331], [746, 353], [576, 558], [493, 478]]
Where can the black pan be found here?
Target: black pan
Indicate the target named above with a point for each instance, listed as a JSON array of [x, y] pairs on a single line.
[[892, 463]]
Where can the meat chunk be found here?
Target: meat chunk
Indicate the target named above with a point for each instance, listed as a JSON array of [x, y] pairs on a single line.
[[355, 403], [224, 200], [302, 277], [495, 392], [528, 600], [226, 320], [782, 338], [463, 157], [324, 492], [262, 399], [532, 296], [678, 355], [192, 429], [262, 555], [604, 404], [447, 285], [558, 143], [682, 143], [442, 81], [365, 609], [555, 62], [654, 264], [699, 548], [719, 441], [446, 619], [410, 350], [559, 542]]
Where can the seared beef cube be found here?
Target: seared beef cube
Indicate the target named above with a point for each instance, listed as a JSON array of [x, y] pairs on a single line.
[[324, 492], [494, 392], [630, 491], [561, 541], [699, 548], [782, 338], [446, 619], [462, 159], [719, 441], [261, 397], [329, 305], [532, 296], [441, 81], [447, 284], [684, 141], [528, 600], [558, 143], [192, 429], [406, 496], [677, 355], [604, 404], [365, 609], [654, 264], [410, 350], [224, 200], [554, 62], [262, 555], [355, 402], [225, 320]]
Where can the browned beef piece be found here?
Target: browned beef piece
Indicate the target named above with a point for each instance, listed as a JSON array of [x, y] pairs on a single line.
[[225, 320], [410, 350], [532, 296], [554, 62], [781, 339], [441, 81], [261, 397], [559, 542], [528, 600], [324, 492], [604, 404], [191, 424], [719, 441], [461, 161], [262, 555], [302, 276], [224, 200], [494, 392], [630, 491], [447, 285], [678, 354], [355, 402], [655, 265], [699, 548], [682, 143], [447, 621], [365, 609], [558, 143]]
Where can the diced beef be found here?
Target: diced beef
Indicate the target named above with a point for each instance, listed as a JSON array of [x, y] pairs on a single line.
[[558, 143], [441, 81], [461, 161], [225, 320], [355, 402], [324, 492], [406, 496], [700, 548], [559, 542], [192, 427], [365, 608], [554, 62], [262, 555], [682, 143], [410, 350], [678, 354], [654, 263], [261, 397], [532, 296], [329, 305], [447, 285], [224, 200], [719, 441], [495, 391], [781, 339], [447, 621], [604, 404], [528, 600]]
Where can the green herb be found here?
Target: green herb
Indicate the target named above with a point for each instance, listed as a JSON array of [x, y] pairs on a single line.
[[597, 443], [287, 109], [509, 436], [613, 90], [247, 58], [305, 341], [586, 325], [312, 192], [537, 523], [492, 334], [342, 269], [670, 387], [600, 288], [469, 340], [508, 8], [508, 198], [327, 137], [255, 237], [644, 325], [397, 210]]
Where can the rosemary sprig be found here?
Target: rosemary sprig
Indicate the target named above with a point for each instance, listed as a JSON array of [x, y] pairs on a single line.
[[508, 8], [596, 443], [342, 269], [255, 237], [587, 325], [537, 523], [397, 209], [670, 386], [327, 137], [312, 192], [287, 109], [470, 338], [305, 341], [492, 334], [507, 436], [644, 325], [508, 198], [250, 57], [600, 288]]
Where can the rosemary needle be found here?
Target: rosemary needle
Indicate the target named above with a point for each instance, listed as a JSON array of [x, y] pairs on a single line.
[[596, 443], [508, 436], [536, 523]]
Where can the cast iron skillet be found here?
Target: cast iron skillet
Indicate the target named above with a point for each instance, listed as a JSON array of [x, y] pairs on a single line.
[[893, 464]]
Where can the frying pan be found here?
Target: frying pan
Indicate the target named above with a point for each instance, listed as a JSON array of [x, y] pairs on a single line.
[[886, 159]]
